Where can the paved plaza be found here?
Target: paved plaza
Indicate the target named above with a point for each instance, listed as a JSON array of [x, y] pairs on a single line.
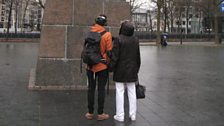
[[185, 87]]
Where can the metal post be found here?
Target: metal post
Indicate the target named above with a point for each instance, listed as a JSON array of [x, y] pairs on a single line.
[[103, 7], [181, 37]]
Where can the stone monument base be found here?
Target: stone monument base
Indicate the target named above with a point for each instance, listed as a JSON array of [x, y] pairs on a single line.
[[65, 24], [33, 86]]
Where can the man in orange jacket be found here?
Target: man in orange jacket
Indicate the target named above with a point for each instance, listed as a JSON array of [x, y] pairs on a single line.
[[99, 72]]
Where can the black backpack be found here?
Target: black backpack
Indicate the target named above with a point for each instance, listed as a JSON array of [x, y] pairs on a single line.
[[91, 51]]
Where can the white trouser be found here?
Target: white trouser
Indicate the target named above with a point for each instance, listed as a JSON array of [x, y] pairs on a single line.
[[120, 99]]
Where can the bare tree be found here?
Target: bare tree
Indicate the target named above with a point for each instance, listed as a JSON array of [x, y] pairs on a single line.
[[26, 4], [187, 5], [159, 4], [164, 15], [9, 5], [40, 2], [150, 21], [171, 9], [216, 17], [134, 5], [204, 8], [188, 11], [207, 10], [17, 4]]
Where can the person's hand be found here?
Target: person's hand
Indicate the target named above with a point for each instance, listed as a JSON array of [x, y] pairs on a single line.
[[104, 61]]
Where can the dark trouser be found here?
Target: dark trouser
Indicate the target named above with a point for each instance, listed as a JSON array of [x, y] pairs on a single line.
[[101, 78]]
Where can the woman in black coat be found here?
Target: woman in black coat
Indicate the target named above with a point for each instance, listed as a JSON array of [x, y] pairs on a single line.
[[126, 61]]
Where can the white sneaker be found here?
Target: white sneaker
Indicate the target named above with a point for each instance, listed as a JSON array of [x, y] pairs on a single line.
[[133, 118], [119, 119]]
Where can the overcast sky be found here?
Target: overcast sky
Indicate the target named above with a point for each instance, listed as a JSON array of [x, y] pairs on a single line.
[[147, 3]]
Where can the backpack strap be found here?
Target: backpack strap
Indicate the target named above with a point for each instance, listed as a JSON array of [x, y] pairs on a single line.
[[103, 32]]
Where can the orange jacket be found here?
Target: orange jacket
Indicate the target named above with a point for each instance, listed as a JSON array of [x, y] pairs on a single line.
[[105, 45]]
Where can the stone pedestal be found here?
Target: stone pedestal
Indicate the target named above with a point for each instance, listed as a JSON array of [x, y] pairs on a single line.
[[65, 23]]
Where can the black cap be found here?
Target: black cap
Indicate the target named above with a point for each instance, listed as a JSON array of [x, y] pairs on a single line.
[[101, 20]]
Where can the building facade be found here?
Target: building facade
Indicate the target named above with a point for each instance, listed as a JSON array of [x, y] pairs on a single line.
[[221, 19], [144, 20], [192, 17], [25, 15]]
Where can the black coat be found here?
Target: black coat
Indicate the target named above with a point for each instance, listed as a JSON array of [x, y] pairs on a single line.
[[126, 56]]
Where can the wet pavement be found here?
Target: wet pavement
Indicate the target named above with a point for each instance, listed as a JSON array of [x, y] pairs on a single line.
[[185, 87]]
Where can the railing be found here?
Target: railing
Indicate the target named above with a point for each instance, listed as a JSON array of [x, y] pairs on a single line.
[[140, 35], [148, 35], [20, 35]]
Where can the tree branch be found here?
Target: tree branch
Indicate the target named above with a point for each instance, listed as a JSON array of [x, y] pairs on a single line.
[[41, 4], [220, 2]]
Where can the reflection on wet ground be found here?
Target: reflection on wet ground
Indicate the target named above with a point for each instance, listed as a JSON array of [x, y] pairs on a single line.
[[184, 88]]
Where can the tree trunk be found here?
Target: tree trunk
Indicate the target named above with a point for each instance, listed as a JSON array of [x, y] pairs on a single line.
[[216, 16], [171, 23], [24, 15], [165, 16], [187, 17], [171, 10], [199, 26], [179, 20], [16, 19], [9, 16], [168, 25], [150, 18], [159, 5], [41, 4]]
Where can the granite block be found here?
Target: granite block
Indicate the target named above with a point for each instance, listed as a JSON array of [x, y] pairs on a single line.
[[115, 16], [52, 42], [59, 73], [86, 11], [76, 37], [58, 12]]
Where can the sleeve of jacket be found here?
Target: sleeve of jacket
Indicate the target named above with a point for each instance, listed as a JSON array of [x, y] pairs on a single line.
[[108, 45], [114, 54], [139, 55]]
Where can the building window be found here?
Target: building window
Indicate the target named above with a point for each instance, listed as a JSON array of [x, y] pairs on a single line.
[[183, 22], [197, 15], [182, 9], [178, 23], [189, 31], [183, 15]]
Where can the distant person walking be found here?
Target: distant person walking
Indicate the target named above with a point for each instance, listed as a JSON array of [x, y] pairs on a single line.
[[126, 60], [98, 73]]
